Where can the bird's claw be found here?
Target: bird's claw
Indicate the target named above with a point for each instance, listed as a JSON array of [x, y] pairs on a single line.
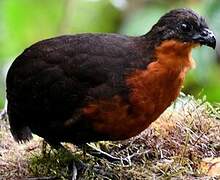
[[94, 151]]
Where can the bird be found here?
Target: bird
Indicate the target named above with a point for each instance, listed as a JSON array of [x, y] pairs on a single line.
[[93, 87]]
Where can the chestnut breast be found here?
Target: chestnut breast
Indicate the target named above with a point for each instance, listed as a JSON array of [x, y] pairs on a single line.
[[152, 91]]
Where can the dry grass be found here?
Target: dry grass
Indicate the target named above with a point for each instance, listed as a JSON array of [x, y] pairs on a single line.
[[171, 148]]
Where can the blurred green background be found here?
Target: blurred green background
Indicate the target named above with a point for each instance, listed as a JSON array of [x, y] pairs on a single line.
[[23, 22]]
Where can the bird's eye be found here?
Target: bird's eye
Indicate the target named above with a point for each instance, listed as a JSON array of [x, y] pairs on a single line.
[[186, 27]]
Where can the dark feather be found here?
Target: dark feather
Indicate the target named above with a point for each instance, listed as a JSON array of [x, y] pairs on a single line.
[[51, 81], [56, 77]]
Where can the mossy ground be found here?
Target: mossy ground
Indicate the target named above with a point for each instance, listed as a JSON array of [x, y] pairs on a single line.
[[173, 147]]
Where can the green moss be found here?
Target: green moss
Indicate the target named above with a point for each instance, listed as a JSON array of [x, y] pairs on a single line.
[[54, 163]]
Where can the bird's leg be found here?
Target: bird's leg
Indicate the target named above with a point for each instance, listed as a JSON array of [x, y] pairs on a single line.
[[84, 150], [59, 147], [53, 146], [74, 171], [44, 148], [94, 151], [76, 165]]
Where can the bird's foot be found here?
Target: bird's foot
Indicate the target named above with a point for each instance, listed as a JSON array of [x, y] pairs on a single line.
[[96, 152], [74, 171], [75, 165]]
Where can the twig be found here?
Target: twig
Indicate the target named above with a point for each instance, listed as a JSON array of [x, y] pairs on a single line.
[[42, 178]]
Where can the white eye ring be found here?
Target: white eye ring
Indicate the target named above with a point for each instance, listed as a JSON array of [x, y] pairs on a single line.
[[186, 27]]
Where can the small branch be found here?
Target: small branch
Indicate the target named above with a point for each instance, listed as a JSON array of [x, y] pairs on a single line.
[[42, 178]]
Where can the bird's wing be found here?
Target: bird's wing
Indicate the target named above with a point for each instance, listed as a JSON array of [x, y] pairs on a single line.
[[58, 76]]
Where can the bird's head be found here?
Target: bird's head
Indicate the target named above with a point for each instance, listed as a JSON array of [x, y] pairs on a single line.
[[185, 26]]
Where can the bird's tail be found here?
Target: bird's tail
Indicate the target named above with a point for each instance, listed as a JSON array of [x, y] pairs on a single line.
[[19, 130]]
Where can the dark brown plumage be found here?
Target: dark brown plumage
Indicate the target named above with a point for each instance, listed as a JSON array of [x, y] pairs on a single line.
[[91, 87]]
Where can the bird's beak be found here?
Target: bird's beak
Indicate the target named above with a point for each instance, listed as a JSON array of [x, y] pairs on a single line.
[[206, 37]]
